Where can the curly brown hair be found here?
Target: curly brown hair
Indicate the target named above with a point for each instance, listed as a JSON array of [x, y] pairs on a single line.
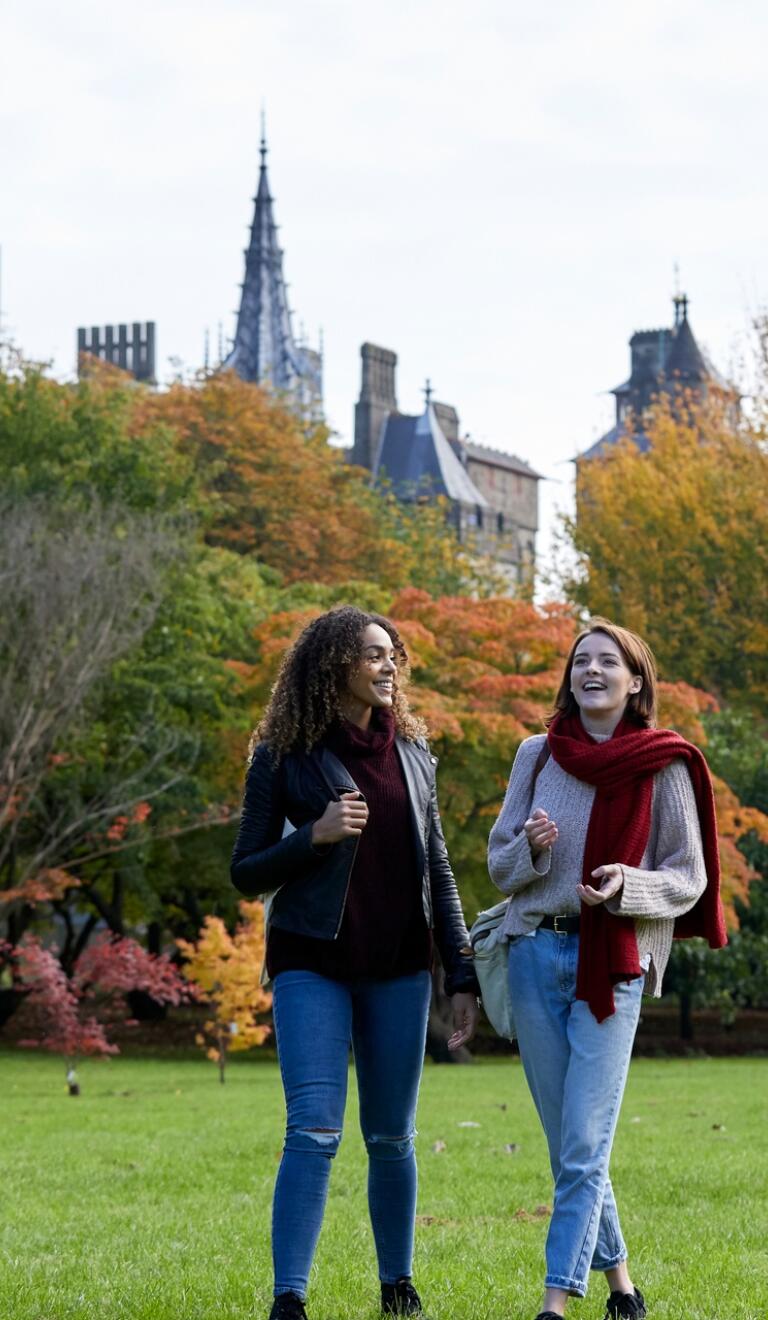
[[312, 681]]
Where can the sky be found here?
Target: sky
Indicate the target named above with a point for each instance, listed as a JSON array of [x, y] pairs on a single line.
[[500, 192]]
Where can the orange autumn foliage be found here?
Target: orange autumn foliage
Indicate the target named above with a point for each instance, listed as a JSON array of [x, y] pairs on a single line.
[[484, 676], [275, 488]]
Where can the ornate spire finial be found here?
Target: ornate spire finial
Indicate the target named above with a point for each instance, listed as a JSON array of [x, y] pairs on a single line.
[[263, 143], [428, 392], [679, 300]]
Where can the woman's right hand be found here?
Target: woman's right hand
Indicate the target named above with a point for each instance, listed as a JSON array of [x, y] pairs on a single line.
[[541, 831], [340, 820]]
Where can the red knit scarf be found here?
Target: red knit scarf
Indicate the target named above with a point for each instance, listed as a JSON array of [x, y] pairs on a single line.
[[622, 770]]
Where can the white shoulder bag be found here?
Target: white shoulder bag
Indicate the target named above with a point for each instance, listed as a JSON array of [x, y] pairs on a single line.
[[490, 948]]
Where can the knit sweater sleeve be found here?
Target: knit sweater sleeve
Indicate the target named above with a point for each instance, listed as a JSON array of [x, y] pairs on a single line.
[[679, 875], [510, 863]]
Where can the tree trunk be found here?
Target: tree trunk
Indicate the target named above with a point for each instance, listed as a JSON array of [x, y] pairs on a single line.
[[686, 1016], [222, 1053]]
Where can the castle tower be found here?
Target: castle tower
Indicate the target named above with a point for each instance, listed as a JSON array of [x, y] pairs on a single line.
[[377, 400], [666, 362], [265, 350]]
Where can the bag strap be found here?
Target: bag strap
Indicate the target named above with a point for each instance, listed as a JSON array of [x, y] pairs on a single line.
[[541, 761]]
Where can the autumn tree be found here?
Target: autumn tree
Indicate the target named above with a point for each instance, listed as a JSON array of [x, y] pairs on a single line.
[[121, 722], [66, 1015], [76, 597], [275, 488], [484, 677], [226, 970], [673, 543]]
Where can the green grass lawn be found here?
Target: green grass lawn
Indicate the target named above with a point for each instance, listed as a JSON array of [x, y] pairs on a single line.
[[148, 1197]]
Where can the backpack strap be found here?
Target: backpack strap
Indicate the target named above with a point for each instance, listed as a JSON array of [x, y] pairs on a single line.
[[541, 761]]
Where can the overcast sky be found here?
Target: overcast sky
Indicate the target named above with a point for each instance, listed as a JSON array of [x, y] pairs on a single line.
[[496, 190]]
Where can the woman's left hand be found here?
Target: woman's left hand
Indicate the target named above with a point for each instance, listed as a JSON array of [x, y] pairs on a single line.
[[611, 877], [465, 1018]]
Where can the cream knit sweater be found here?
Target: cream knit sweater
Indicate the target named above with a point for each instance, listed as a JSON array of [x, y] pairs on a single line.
[[670, 879]]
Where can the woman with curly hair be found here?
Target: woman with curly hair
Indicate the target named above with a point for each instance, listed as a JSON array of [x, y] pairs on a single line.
[[607, 847], [341, 827]]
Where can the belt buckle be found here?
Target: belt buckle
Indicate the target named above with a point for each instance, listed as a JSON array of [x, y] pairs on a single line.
[[557, 929]]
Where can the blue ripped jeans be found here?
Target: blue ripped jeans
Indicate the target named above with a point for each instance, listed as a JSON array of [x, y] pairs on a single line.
[[576, 1069], [316, 1019]]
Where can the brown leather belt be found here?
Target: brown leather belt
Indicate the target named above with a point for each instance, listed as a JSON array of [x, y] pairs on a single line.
[[561, 925]]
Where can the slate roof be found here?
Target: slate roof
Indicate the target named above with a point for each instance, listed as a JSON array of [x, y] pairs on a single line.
[[685, 361], [616, 433], [661, 360], [417, 458]]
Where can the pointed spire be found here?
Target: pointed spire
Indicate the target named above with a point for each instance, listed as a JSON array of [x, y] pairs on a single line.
[[685, 360], [265, 349], [427, 391]]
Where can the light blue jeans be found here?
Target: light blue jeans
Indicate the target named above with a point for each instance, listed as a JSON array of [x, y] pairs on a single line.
[[576, 1069], [316, 1020]]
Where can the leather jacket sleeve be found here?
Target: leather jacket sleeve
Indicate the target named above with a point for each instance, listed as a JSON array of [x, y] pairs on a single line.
[[451, 934], [262, 859]]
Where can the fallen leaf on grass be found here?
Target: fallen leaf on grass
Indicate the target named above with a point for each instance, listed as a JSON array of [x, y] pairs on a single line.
[[541, 1212], [718, 1127], [468, 1122], [511, 1148], [438, 1147], [429, 1221], [636, 1119]]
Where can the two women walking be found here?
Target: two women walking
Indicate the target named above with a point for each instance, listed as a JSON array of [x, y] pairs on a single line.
[[606, 846]]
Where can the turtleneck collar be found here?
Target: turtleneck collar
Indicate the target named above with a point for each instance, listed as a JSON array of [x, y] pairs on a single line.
[[344, 736]]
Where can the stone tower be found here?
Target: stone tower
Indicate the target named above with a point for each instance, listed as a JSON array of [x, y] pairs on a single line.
[[666, 362], [377, 400], [492, 496]]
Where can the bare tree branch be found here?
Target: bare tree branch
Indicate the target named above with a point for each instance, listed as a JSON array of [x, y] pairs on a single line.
[[75, 596]]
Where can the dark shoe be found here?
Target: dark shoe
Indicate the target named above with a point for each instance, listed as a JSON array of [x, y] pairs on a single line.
[[625, 1306], [548, 1315], [400, 1298], [288, 1306]]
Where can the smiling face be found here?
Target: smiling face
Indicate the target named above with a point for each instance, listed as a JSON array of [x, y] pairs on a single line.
[[371, 683], [601, 680]]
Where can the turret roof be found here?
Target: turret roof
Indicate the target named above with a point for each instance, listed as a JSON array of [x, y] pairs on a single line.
[[417, 458]]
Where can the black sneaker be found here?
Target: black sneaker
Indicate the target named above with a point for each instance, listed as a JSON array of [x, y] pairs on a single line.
[[288, 1306], [548, 1315], [400, 1298], [626, 1306]]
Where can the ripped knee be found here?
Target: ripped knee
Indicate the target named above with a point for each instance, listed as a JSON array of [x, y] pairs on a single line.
[[317, 1141], [385, 1147]]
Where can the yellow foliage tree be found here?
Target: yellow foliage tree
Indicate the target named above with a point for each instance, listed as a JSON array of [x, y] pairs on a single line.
[[673, 543], [226, 970]]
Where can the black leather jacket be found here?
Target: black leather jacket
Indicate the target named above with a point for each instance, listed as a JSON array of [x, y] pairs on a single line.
[[310, 883]]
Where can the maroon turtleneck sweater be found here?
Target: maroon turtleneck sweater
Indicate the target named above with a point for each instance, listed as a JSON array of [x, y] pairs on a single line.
[[383, 932]]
